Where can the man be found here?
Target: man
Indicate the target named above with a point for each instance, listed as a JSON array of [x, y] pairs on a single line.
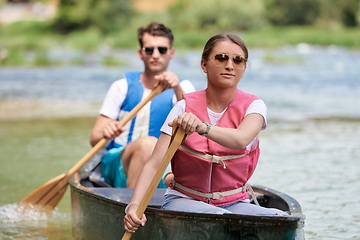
[[132, 144]]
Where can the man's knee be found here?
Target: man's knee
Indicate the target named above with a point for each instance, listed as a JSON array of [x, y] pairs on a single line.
[[143, 146], [146, 144], [138, 152]]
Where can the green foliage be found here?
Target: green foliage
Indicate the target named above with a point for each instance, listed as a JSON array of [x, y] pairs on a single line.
[[279, 36], [294, 12], [225, 15], [107, 15], [326, 13], [27, 36], [88, 40], [124, 39], [93, 25], [42, 59], [112, 61], [350, 14], [77, 61], [13, 58], [29, 27], [272, 58], [190, 38]]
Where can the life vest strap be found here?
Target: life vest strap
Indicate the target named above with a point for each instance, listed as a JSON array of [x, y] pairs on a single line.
[[213, 158], [213, 195]]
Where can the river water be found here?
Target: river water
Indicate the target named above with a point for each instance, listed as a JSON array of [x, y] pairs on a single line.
[[310, 150]]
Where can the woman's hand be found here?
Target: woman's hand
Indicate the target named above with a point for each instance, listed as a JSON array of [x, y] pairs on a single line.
[[189, 123], [131, 221]]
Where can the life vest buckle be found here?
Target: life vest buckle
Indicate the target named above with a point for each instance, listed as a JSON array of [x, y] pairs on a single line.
[[218, 160], [217, 195]]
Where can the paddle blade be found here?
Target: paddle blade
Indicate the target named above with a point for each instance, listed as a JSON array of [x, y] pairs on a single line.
[[49, 194]]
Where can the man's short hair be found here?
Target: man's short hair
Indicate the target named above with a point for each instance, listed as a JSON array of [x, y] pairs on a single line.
[[155, 29]]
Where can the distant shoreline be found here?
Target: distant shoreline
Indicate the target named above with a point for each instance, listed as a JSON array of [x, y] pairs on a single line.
[[37, 109], [29, 110]]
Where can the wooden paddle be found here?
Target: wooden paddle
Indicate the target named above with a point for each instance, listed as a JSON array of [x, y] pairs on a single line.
[[178, 136], [50, 193]]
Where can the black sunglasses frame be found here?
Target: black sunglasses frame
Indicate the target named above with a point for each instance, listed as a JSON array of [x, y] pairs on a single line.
[[150, 50]]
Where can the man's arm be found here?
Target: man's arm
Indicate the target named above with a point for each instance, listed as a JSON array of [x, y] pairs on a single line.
[[179, 92]]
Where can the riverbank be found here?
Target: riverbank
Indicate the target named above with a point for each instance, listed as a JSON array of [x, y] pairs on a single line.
[[30, 43], [37, 109]]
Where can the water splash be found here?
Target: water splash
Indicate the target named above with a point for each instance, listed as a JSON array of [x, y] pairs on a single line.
[[17, 212], [29, 222]]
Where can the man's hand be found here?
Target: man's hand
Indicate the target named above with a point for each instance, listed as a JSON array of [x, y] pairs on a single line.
[[112, 130], [168, 80]]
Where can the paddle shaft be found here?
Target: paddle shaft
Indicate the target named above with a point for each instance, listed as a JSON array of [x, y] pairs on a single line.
[[50, 193], [123, 121], [178, 137]]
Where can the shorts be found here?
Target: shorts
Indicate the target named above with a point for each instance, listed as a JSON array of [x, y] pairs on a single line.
[[177, 203], [113, 170]]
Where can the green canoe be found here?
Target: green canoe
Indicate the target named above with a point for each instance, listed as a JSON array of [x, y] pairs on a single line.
[[98, 213]]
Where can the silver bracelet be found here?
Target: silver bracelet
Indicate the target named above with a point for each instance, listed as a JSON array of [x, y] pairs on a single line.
[[132, 203]]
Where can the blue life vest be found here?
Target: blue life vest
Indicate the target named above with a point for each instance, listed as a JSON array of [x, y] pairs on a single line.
[[149, 119]]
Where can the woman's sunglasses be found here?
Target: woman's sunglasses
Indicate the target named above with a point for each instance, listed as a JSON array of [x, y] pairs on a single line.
[[221, 58], [149, 50]]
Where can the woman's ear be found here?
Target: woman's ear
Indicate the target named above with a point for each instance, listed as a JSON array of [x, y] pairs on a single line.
[[203, 65]]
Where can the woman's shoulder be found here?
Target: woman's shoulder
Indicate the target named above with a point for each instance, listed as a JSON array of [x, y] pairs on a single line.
[[195, 94], [243, 94]]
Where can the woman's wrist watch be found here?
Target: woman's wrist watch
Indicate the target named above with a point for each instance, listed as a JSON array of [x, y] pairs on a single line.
[[208, 126]]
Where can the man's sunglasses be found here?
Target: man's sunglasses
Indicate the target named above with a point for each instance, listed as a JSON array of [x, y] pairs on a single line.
[[222, 58], [149, 50]]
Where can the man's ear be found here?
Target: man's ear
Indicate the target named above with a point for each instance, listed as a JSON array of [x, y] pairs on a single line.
[[172, 49], [140, 53]]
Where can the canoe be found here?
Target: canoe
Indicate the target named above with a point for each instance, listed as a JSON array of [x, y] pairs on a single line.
[[98, 212]]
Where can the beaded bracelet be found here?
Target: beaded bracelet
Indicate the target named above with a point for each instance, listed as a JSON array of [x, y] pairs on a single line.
[[132, 203]]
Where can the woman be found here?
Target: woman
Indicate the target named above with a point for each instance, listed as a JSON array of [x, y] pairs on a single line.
[[211, 168]]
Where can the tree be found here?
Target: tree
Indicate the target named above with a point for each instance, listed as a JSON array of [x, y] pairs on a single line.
[[292, 12], [107, 15]]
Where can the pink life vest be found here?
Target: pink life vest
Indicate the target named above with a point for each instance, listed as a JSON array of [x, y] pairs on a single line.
[[206, 176]]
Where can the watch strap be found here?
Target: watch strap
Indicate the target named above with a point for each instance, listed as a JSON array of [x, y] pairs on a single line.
[[207, 129]]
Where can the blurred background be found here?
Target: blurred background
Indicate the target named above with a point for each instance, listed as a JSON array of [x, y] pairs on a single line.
[[58, 59], [31, 30]]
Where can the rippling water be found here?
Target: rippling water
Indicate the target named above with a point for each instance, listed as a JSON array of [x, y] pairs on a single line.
[[309, 151]]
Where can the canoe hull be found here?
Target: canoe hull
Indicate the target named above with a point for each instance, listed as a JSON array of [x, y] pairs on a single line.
[[99, 215]]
